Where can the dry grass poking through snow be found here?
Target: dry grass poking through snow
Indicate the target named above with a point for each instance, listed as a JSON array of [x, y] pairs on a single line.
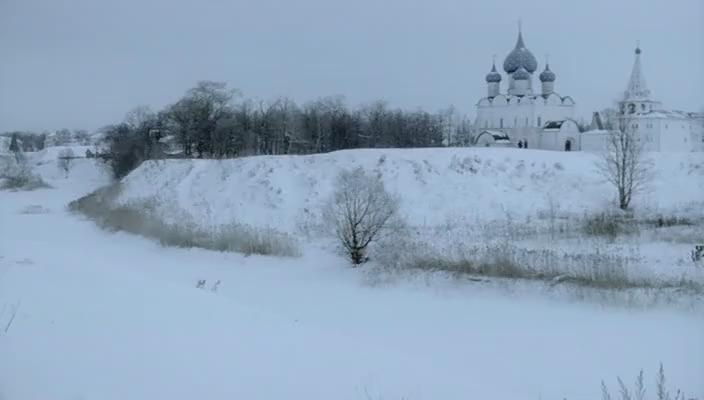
[[140, 219], [588, 252]]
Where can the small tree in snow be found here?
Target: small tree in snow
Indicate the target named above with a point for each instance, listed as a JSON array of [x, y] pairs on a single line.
[[65, 160], [14, 144], [623, 163], [359, 211]]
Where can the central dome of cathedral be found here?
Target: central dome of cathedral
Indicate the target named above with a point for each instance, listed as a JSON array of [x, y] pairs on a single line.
[[519, 57]]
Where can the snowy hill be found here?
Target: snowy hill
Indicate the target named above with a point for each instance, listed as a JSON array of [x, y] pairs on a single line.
[[436, 186]]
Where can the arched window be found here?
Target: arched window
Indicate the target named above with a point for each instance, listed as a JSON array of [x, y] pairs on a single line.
[[539, 122], [501, 123], [526, 121], [568, 145], [515, 122], [631, 108]]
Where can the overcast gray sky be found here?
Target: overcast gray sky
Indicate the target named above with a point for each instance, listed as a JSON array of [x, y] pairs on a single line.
[[85, 63]]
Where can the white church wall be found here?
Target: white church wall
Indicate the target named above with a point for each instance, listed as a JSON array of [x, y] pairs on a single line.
[[594, 141], [676, 136]]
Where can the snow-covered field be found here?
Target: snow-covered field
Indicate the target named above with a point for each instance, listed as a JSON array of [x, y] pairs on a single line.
[[88, 314]]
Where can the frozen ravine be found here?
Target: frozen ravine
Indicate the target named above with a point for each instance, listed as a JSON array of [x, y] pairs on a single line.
[[112, 316]]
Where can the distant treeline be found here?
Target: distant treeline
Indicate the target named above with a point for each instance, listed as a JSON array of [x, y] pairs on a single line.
[[32, 141], [212, 121]]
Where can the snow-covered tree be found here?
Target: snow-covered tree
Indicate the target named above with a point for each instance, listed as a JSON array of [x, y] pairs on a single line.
[[360, 210], [623, 163]]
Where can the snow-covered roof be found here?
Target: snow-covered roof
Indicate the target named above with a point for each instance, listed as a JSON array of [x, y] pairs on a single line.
[[497, 135], [508, 98], [596, 132], [664, 114], [168, 139]]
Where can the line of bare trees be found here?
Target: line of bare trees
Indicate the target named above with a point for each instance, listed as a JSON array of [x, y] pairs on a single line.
[[213, 121]]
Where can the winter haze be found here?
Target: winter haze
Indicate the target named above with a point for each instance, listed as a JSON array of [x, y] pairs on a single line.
[[83, 63]]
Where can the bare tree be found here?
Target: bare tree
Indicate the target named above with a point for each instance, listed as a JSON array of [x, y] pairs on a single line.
[[65, 160], [359, 210], [623, 163], [137, 116]]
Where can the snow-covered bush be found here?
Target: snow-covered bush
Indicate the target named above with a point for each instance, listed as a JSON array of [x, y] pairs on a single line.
[[18, 175], [698, 253], [360, 211], [34, 209], [65, 161], [608, 224]]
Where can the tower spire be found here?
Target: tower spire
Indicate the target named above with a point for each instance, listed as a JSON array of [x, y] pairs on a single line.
[[637, 88], [519, 42]]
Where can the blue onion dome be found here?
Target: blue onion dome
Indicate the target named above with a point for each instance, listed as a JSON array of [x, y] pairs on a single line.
[[521, 75], [493, 76], [520, 57], [547, 75]]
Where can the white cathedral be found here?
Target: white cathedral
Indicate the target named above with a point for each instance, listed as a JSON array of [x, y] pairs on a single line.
[[522, 117]]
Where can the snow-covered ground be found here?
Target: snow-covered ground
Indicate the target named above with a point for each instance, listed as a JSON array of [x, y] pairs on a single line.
[[101, 315]]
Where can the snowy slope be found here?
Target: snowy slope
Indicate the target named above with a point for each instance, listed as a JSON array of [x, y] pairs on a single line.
[[435, 185]]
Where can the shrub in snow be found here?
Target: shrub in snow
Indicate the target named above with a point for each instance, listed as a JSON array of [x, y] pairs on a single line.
[[698, 253], [639, 391], [65, 161], [34, 209], [608, 224], [359, 211], [18, 175]]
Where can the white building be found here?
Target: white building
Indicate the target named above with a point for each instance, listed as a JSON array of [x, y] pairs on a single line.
[[657, 128], [521, 113]]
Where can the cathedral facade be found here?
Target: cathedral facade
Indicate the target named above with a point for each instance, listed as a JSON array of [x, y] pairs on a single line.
[[524, 116]]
